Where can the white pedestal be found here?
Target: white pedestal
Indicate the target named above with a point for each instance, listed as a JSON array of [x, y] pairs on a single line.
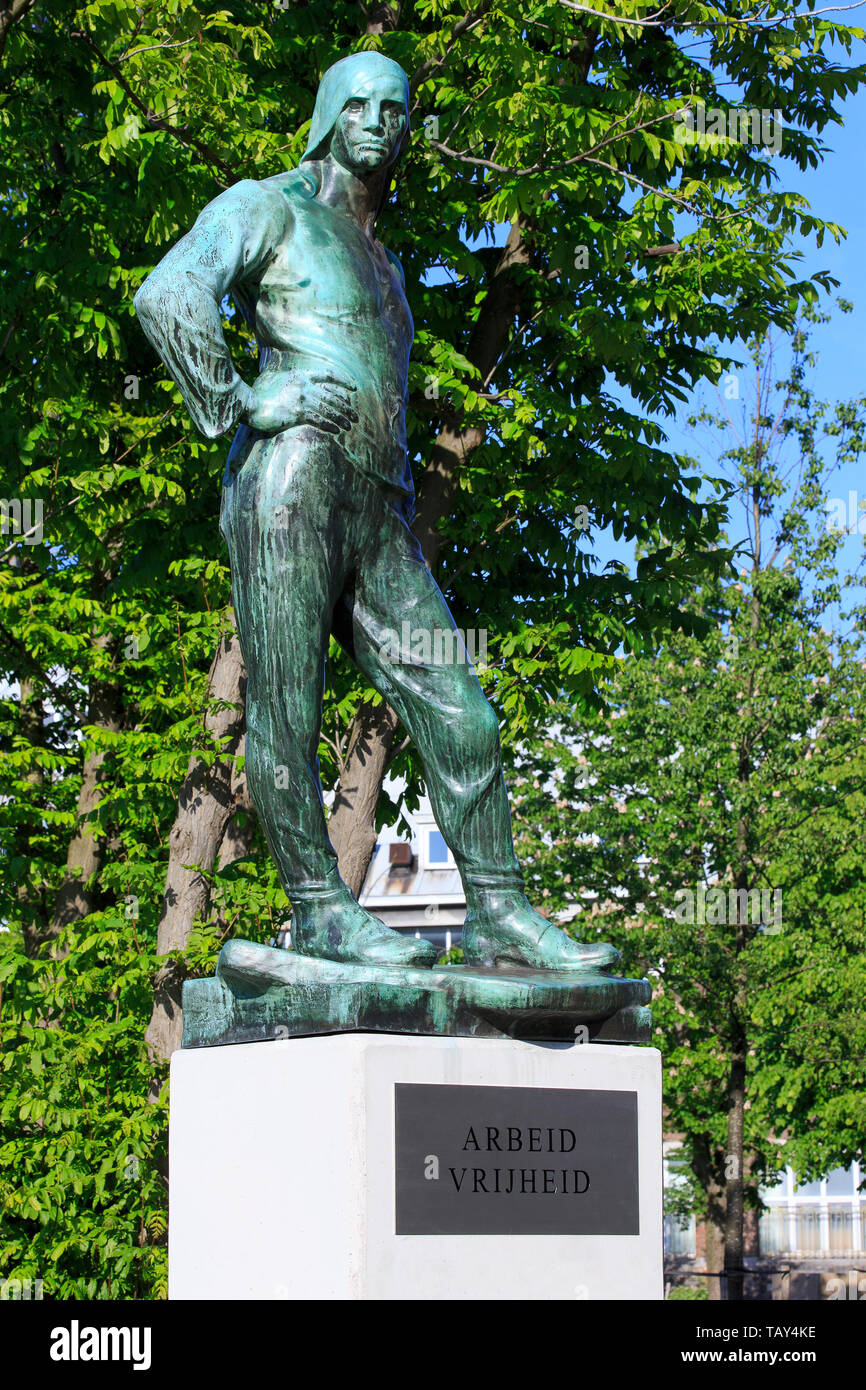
[[289, 1174]]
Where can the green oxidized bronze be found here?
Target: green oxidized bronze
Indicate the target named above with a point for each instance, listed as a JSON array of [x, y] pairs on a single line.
[[317, 509], [261, 993]]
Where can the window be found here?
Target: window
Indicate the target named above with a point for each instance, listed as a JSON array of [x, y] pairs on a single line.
[[840, 1183], [807, 1231], [773, 1231], [819, 1219], [841, 1224], [680, 1239], [437, 849], [434, 853]]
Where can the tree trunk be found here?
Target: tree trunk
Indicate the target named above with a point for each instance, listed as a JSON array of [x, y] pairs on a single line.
[[241, 829], [205, 807], [240, 833], [352, 823], [734, 1178], [734, 1175], [734, 1210], [715, 1258], [31, 716], [79, 892], [708, 1165]]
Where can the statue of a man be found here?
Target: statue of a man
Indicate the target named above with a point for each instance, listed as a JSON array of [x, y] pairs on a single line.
[[317, 507]]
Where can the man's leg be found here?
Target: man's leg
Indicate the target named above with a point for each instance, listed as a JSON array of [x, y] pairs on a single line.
[[401, 633], [283, 521]]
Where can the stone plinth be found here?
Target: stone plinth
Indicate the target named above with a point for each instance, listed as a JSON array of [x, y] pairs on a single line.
[[359, 1166]]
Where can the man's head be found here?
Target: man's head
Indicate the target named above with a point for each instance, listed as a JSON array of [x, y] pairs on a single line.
[[361, 116]]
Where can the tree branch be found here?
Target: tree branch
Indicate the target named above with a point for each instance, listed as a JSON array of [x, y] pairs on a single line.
[[462, 27], [755, 21], [155, 122], [10, 13]]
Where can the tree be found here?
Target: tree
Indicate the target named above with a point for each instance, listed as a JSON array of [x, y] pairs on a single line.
[[712, 824]]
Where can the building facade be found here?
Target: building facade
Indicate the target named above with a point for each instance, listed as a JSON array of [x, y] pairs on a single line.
[[809, 1241], [413, 884]]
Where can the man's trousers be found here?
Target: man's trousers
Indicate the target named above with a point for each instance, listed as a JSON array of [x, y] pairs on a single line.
[[317, 548]]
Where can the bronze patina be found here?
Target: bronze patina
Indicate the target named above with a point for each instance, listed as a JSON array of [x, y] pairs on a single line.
[[317, 511]]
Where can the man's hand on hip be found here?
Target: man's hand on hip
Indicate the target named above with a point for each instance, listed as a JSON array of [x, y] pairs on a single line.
[[283, 399]]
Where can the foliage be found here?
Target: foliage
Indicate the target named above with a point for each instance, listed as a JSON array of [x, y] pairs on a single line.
[[735, 762], [83, 1204]]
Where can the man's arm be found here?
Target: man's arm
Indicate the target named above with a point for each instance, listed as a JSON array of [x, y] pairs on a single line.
[[178, 305]]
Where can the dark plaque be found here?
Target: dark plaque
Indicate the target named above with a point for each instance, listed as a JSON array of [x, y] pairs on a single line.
[[515, 1160]]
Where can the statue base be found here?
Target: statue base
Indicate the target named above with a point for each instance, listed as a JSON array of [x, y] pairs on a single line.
[[261, 993], [446, 1169]]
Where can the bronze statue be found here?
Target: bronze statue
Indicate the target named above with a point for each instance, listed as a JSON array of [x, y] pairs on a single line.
[[317, 509]]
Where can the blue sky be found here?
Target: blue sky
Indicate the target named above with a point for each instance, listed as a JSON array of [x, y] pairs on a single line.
[[836, 192]]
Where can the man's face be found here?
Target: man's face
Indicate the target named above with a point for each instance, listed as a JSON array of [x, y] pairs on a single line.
[[369, 129]]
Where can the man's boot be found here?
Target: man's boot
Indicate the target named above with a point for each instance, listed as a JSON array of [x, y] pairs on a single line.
[[333, 926], [502, 929]]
